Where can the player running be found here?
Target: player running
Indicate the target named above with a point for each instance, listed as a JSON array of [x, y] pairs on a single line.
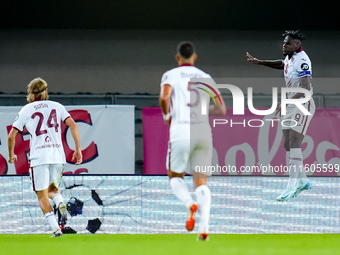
[[298, 74], [185, 149], [41, 118]]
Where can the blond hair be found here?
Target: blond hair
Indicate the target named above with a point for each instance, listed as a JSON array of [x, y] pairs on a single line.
[[37, 88]]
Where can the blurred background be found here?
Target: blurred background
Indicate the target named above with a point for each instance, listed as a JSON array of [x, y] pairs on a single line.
[[125, 46], [115, 52]]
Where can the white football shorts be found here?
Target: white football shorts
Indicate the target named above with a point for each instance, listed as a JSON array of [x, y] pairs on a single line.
[[190, 155], [296, 120], [43, 176]]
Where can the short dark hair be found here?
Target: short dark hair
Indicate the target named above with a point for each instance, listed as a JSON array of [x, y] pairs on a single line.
[[294, 34], [186, 49]]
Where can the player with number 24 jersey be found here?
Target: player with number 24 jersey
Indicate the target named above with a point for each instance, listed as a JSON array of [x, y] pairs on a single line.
[[41, 119]]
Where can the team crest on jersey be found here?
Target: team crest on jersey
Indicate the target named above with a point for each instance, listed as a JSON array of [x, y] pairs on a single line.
[[304, 66]]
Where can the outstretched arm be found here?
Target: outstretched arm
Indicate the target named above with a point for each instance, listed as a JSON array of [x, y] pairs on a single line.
[[276, 64], [76, 137]]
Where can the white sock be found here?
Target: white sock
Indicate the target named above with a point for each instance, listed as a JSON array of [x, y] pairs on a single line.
[[180, 190], [204, 201], [292, 180], [296, 166], [301, 169], [52, 221], [288, 158], [57, 199]]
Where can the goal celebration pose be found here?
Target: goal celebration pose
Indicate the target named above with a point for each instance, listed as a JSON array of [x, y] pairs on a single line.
[[42, 118], [298, 74]]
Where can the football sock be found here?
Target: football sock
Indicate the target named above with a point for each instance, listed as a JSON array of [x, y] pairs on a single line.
[[52, 221], [295, 166], [288, 158], [180, 190], [301, 169], [57, 199], [291, 181], [204, 201]]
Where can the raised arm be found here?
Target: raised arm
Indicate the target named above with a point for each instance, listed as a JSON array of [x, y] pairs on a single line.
[[76, 137], [276, 64]]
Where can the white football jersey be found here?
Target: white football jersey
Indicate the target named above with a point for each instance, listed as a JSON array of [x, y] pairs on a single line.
[[298, 66], [42, 120], [186, 100]]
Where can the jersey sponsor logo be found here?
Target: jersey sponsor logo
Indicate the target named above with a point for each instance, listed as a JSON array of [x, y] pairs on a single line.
[[304, 66], [47, 139], [48, 146]]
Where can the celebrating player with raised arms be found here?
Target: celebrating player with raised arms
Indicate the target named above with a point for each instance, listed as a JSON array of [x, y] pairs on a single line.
[[42, 118], [298, 74], [190, 142]]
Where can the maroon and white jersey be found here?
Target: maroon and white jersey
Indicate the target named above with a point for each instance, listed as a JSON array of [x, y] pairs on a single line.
[[42, 119], [299, 65], [186, 100]]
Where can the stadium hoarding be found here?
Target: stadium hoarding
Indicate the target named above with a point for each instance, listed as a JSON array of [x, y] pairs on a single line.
[[107, 139], [146, 205], [252, 145]]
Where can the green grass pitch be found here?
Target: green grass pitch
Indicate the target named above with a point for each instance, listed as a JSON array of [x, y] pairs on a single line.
[[171, 244]]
